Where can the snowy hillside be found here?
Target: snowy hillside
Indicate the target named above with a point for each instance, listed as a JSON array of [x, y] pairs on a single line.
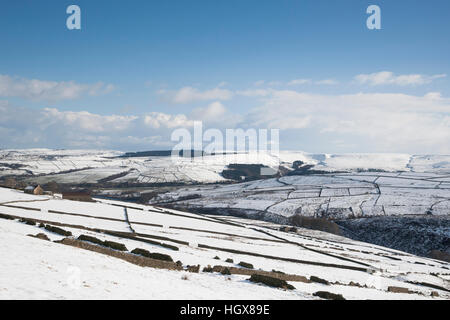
[[98, 266], [81, 166], [332, 196], [406, 211]]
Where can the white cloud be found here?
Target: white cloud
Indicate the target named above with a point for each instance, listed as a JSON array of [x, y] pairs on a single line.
[[216, 114], [212, 112], [190, 94], [303, 81], [39, 90], [158, 120], [379, 122], [87, 121], [254, 92], [157, 140], [386, 122], [433, 96], [387, 78], [328, 82], [50, 127], [297, 82]]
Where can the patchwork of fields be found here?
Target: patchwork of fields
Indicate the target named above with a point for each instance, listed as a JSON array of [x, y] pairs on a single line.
[[331, 196]]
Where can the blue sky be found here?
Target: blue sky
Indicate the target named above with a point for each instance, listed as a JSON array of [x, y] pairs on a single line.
[[139, 69]]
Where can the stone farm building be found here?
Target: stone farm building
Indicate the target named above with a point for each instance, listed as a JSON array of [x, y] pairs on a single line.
[[36, 190]]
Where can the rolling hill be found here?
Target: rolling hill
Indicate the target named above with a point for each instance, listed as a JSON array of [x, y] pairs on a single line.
[[106, 249]]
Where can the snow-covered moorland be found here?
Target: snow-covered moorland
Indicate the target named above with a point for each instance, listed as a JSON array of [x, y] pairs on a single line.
[[310, 261], [408, 211], [333, 196], [88, 166]]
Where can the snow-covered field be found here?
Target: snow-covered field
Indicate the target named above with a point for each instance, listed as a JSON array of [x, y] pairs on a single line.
[[35, 268], [408, 211], [335, 196], [87, 166]]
